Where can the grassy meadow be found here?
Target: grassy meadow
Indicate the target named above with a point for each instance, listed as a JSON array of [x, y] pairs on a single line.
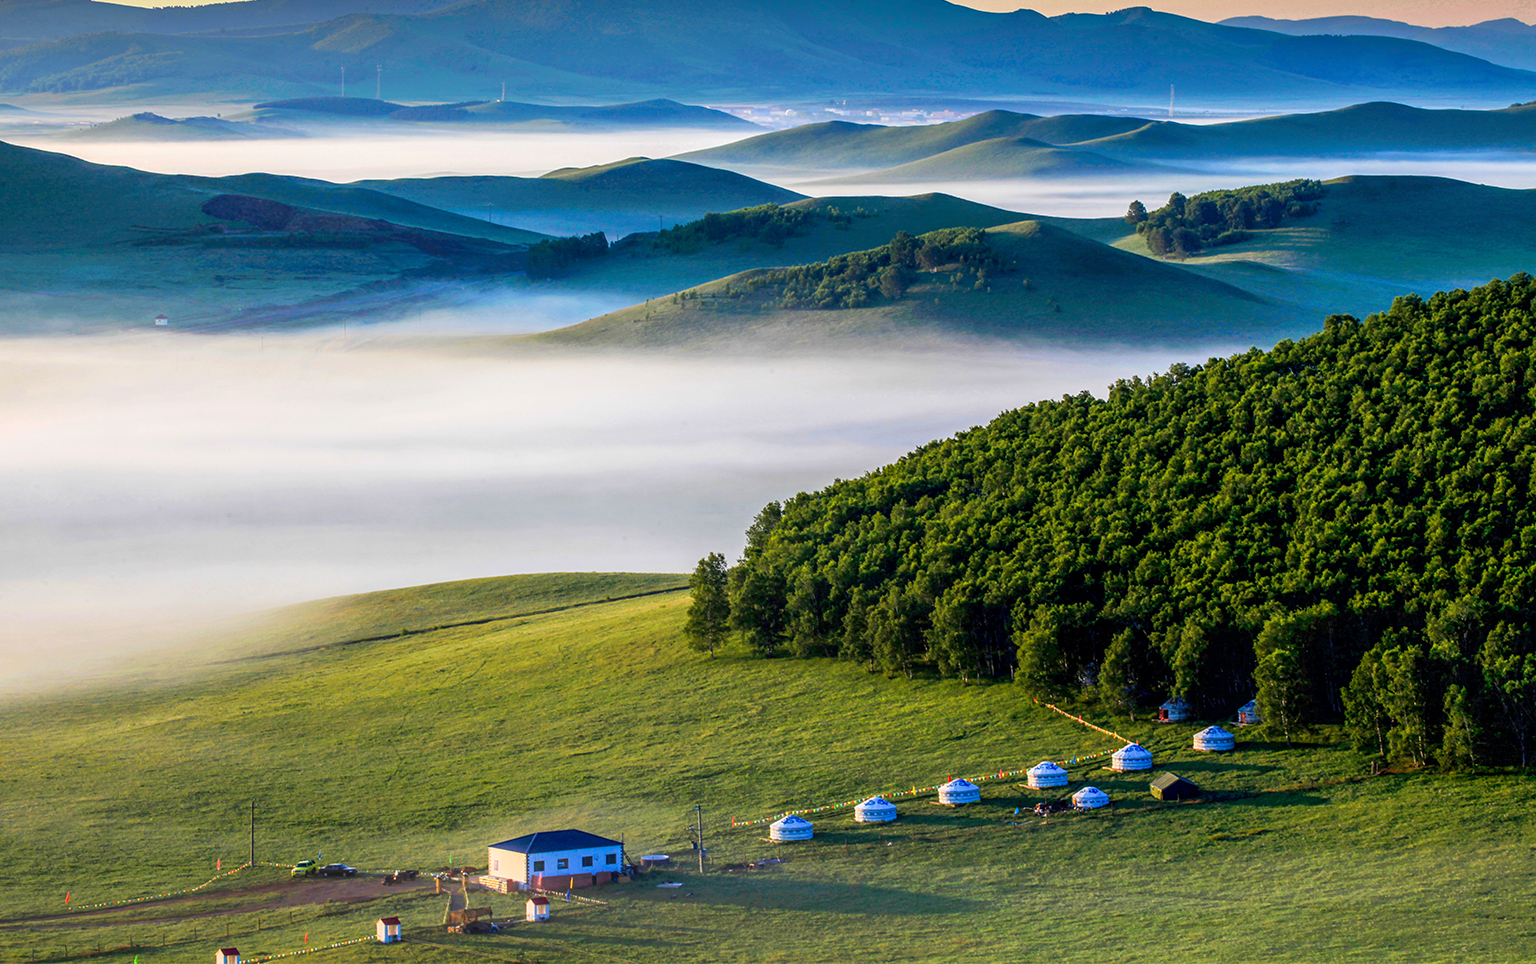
[[418, 748]]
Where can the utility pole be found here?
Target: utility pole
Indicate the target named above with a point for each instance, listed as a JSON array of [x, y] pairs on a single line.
[[343, 81], [1170, 102], [697, 832], [253, 833], [378, 87]]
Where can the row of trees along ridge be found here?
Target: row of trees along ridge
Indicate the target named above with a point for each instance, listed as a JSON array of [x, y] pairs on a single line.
[[1344, 523]]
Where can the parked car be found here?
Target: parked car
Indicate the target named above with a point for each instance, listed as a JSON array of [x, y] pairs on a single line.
[[400, 876], [304, 868], [338, 870]]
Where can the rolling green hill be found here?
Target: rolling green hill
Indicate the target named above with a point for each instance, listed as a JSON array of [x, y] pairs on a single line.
[[420, 750], [621, 197], [660, 113], [86, 244], [148, 126], [1002, 157], [1055, 287]]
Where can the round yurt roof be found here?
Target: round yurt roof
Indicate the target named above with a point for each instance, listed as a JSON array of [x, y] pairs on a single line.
[[878, 808], [1045, 766], [1215, 738], [1213, 731], [1174, 701], [959, 790], [1090, 797], [959, 783], [1132, 756], [791, 822], [877, 803]]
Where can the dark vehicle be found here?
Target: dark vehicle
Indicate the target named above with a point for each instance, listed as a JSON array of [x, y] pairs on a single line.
[[482, 927], [338, 870], [400, 876]]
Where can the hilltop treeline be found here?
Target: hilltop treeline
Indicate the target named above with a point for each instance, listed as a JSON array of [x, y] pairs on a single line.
[[769, 224], [1186, 225], [555, 256], [1343, 525]]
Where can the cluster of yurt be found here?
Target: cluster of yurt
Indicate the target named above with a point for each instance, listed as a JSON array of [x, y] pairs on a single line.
[[788, 828], [1132, 756], [959, 791], [1214, 739], [1248, 715], [1090, 798], [875, 810], [1046, 774], [1173, 711]]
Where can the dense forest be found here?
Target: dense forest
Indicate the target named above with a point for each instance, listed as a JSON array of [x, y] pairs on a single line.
[[555, 256], [1186, 225], [769, 224], [1342, 525]]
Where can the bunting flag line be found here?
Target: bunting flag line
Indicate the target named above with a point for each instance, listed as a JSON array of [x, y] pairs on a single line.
[[311, 950], [570, 897]]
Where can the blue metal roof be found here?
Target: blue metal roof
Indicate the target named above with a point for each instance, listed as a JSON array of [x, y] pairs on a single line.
[[549, 841]]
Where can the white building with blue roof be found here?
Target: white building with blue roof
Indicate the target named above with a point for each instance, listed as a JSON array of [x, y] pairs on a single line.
[[557, 859]]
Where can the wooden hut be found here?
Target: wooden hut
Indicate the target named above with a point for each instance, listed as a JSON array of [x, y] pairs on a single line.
[[387, 930], [1248, 715], [875, 810], [1090, 798], [791, 827], [1214, 739], [227, 955], [1173, 711], [1171, 786], [1132, 756], [1046, 774], [958, 792], [537, 909]]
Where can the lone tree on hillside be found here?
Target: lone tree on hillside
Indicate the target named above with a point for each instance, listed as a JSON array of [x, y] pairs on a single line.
[[1136, 213], [709, 615]]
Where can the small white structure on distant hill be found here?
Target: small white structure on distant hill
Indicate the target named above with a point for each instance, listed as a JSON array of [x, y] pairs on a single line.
[[1214, 739], [1173, 711], [1132, 756], [875, 810], [1249, 714], [959, 791], [1090, 798], [791, 827], [161, 321], [537, 909], [1046, 774]]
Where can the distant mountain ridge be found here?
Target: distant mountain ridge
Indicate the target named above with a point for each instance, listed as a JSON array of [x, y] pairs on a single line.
[[1508, 41], [776, 48]]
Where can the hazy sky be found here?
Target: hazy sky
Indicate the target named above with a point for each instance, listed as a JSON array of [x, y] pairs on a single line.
[[1432, 13]]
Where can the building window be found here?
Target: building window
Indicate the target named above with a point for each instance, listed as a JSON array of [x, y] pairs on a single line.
[[538, 866], [495, 865], [586, 861], [564, 864], [613, 858]]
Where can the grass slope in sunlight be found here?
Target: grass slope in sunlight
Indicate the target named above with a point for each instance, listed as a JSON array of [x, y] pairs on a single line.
[[417, 749]]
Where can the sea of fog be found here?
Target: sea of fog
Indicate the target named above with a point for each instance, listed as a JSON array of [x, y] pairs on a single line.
[[153, 483]]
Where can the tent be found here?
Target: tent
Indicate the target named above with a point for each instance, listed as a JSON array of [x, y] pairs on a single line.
[[1132, 756], [958, 791], [790, 828], [1173, 711], [1171, 786], [1090, 798], [1213, 739], [1249, 714], [1046, 774], [875, 810]]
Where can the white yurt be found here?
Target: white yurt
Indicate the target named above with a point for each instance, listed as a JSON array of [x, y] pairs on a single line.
[[1213, 739], [1132, 756], [958, 791], [1173, 711], [1047, 774], [1248, 715], [790, 828], [1090, 798], [875, 810]]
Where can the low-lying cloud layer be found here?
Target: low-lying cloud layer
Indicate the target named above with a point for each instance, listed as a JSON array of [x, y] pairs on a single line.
[[155, 482]]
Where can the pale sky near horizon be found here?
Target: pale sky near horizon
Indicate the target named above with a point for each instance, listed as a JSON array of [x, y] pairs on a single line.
[[1429, 13]]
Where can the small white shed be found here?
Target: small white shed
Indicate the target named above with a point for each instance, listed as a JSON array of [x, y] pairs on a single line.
[[959, 791], [227, 955], [1090, 798], [1173, 711], [1046, 774], [875, 810], [538, 909], [1214, 739], [791, 827], [161, 321], [388, 930], [1132, 756], [1248, 715]]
